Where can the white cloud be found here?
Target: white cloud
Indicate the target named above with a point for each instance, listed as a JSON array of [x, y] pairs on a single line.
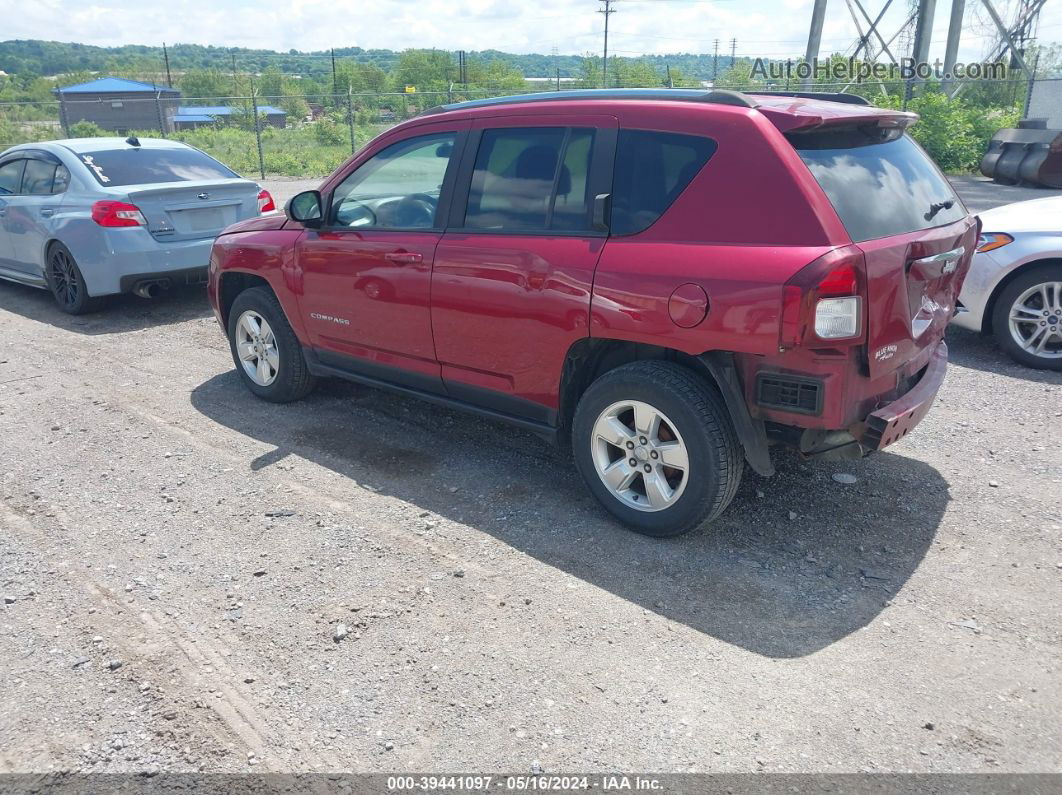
[[775, 28]]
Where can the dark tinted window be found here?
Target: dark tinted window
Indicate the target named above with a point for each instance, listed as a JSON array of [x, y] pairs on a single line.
[[531, 179], [39, 177], [652, 169], [10, 176], [878, 187], [143, 166]]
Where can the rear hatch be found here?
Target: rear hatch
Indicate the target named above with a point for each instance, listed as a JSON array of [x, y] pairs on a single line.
[[916, 235], [184, 194]]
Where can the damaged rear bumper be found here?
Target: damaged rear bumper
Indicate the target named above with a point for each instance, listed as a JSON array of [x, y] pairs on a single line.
[[892, 422]]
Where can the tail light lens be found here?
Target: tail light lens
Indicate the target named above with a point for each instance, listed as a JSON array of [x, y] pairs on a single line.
[[824, 301], [112, 213], [265, 202]]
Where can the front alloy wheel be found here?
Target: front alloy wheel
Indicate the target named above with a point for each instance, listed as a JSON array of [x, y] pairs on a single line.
[[1035, 321], [257, 348], [1027, 317]]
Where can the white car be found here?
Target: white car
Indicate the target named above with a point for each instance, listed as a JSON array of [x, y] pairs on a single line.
[[1014, 288]]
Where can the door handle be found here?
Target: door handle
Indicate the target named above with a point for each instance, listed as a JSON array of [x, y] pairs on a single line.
[[403, 257], [47, 212]]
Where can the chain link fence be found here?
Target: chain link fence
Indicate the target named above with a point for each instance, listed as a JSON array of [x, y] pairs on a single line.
[[310, 135]]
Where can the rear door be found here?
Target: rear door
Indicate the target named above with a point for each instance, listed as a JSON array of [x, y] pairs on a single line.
[[30, 213], [10, 184], [916, 235], [514, 272]]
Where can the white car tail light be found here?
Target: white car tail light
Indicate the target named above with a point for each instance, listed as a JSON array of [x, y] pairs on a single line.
[[115, 214], [837, 318]]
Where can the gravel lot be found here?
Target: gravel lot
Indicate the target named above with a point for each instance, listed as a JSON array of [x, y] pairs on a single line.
[[196, 580]]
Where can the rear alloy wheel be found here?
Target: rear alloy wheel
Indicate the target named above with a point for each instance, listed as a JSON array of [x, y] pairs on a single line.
[[1028, 318], [264, 348], [654, 443], [66, 282]]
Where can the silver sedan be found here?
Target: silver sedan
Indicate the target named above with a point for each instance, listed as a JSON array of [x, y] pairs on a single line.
[[90, 217], [1014, 288]]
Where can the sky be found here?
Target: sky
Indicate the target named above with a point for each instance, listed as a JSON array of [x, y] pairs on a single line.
[[773, 28]]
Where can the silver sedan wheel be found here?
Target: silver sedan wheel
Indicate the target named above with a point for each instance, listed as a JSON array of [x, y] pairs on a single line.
[[257, 348], [1036, 320], [640, 455]]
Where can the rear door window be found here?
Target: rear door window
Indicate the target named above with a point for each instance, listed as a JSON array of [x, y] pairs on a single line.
[[10, 177], [141, 166], [531, 179], [652, 169], [39, 177], [880, 183]]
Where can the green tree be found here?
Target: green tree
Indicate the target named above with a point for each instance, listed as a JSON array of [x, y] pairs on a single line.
[[207, 84]]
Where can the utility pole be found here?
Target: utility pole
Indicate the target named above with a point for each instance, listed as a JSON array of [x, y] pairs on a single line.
[[670, 82], [818, 15], [733, 52], [235, 84], [923, 35], [335, 84], [166, 57], [715, 62], [608, 11]]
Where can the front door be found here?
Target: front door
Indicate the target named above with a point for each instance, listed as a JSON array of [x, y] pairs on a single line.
[[10, 184], [366, 273], [514, 272]]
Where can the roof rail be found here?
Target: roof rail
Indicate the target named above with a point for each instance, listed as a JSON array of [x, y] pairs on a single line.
[[829, 96], [716, 96]]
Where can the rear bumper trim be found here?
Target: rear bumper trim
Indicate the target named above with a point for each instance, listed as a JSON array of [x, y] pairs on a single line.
[[891, 423]]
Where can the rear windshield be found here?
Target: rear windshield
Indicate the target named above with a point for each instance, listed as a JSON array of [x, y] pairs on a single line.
[[878, 188], [134, 166]]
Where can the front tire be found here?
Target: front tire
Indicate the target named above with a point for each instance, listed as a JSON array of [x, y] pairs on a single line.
[[656, 447], [66, 283], [1027, 318], [266, 352]]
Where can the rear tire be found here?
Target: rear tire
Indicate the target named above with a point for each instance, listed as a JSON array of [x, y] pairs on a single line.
[[66, 283], [265, 350], [633, 423], [1022, 315]]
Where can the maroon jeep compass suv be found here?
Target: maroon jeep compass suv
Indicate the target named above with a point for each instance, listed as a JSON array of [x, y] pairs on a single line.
[[671, 281]]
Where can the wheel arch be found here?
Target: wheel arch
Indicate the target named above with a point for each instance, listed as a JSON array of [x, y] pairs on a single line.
[[1021, 270], [590, 358], [231, 284]]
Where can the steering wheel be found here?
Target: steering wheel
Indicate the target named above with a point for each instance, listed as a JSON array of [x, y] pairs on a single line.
[[353, 213], [416, 211]]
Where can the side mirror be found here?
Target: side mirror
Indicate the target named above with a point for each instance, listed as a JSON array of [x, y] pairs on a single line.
[[305, 208]]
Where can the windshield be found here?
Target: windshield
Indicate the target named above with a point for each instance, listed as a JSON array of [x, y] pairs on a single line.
[[878, 187], [137, 166]]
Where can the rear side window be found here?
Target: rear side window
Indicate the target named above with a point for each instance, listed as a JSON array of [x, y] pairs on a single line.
[[140, 166], [531, 179], [39, 177], [880, 183], [652, 169], [10, 176]]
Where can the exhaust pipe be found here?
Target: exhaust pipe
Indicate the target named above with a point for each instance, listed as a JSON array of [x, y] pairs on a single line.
[[151, 289]]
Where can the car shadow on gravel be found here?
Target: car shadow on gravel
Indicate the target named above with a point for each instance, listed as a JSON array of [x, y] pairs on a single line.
[[797, 563], [120, 313], [981, 352]]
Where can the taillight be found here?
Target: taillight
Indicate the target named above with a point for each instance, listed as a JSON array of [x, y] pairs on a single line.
[[824, 301], [112, 213], [265, 202]]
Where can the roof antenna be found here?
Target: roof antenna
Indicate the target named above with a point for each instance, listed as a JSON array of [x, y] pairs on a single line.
[[132, 140]]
